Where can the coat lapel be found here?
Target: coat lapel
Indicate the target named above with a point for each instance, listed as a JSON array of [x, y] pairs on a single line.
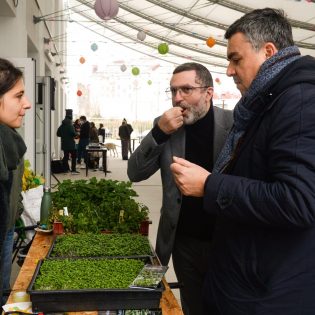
[[222, 124]]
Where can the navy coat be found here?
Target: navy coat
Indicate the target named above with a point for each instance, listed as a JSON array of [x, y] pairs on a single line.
[[263, 255]]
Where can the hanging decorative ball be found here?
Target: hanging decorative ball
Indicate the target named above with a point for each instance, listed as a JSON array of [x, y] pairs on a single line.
[[141, 35], [217, 80], [94, 47], [149, 82], [82, 60], [79, 92], [135, 84], [155, 67], [123, 68], [210, 42], [135, 71], [163, 48], [106, 9]]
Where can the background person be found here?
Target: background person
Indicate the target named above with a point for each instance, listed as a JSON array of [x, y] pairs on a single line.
[[124, 133], [67, 134], [101, 133], [262, 187], [13, 105], [94, 156], [193, 128], [84, 140]]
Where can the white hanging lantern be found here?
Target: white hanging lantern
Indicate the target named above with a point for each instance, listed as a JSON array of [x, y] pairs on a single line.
[[123, 68], [141, 35], [106, 9]]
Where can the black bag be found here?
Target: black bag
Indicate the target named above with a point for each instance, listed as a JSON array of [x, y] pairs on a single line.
[[57, 167]]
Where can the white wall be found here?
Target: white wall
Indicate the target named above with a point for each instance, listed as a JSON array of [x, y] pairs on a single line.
[[21, 38]]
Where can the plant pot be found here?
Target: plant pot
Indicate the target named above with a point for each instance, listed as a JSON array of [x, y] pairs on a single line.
[[144, 227], [58, 228]]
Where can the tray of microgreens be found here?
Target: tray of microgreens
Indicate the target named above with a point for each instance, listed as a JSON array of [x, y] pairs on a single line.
[[101, 245], [87, 284]]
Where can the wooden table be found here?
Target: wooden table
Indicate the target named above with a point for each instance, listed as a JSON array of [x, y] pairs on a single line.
[[39, 249]]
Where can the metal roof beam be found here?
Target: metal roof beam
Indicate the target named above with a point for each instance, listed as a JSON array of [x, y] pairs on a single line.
[[105, 25]]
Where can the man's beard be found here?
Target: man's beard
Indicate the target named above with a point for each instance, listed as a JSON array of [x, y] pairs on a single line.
[[193, 113]]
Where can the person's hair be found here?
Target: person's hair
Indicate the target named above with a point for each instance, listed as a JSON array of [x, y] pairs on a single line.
[[263, 25], [101, 125], [9, 75], [92, 125], [82, 118], [203, 75]]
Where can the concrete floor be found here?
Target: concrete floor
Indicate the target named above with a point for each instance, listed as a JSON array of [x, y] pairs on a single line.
[[149, 191]]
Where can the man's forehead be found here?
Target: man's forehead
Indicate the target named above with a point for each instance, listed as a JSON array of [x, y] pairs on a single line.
[[184, 76]]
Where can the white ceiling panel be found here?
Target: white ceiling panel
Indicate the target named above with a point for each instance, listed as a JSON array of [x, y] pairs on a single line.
[[186, 24]]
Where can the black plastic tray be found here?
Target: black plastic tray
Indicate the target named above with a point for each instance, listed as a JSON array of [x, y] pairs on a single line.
[[92, 299]]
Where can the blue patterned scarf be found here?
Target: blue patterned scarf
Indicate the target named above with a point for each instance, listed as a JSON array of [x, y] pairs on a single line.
[[242, 113]]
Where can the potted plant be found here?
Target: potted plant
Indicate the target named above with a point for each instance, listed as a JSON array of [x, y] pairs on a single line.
[[98, 205]]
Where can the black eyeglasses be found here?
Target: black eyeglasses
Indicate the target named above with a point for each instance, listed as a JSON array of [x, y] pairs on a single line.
[[183, 90]]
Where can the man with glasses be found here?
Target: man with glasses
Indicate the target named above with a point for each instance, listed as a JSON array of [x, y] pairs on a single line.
[[195, 130]]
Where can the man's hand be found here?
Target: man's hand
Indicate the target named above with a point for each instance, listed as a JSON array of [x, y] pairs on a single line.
[[171, 120], [189, 177]]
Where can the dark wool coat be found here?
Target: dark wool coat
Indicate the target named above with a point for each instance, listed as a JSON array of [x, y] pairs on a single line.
[[263, 256], [67, 133]]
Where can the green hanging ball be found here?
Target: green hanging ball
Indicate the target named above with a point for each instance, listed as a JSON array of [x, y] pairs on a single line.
[[135, 71], [149, 82], [163, 48]]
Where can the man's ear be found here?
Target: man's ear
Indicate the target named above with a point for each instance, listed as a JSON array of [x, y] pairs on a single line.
[[210, 91], [270, 49]]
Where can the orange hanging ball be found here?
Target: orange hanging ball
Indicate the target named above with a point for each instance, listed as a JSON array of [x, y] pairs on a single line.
[[82, 60], [210, 42], [79, 92]]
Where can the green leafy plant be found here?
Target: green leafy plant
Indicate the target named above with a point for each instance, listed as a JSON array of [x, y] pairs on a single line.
[[96, 205]]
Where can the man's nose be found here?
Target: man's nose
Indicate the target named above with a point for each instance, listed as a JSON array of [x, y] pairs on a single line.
[[178, 95], [230, 71]]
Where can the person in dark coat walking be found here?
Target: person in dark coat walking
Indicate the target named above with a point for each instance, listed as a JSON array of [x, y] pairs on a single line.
[[262, 187], [124, 132], [67, 133]]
